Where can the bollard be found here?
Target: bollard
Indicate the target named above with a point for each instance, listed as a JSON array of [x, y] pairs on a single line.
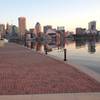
[[46, 52], [65, 55]]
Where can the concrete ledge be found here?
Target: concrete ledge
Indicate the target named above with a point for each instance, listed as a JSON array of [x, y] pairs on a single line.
[[66, 96], [83, 69], [87, 71]]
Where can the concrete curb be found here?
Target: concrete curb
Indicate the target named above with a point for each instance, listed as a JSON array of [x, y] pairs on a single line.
[[87, 71], [83, 69], [66, 96]]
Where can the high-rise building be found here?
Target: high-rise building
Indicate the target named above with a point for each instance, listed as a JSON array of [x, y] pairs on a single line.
[[38, 29], [22, 25], [46, 28], [92, 25], [2, 30]]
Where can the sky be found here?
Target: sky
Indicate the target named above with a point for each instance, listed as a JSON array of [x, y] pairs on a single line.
[[68, 13]]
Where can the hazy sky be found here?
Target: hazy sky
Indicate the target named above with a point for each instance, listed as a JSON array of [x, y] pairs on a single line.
[[68, 13]]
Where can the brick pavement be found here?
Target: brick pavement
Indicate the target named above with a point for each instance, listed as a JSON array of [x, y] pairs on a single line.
[[23, 71]]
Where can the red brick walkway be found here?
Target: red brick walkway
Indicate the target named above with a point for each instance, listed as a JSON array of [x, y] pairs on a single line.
[[23, 71]]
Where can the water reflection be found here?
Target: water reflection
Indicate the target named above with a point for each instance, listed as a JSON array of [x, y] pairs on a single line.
[[90, 43], [80, 43], [92, 46], [82, 51], [38, 46], [48, 46]]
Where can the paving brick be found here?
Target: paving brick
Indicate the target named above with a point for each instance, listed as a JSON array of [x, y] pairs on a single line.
[[23, 71]]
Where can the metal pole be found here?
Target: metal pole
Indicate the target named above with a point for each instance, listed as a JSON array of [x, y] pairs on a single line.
[[65, 51]]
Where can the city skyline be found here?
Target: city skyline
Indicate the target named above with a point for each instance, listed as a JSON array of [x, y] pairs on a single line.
[[70, 14]]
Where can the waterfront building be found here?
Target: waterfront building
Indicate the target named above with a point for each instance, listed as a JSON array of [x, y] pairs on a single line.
[[46, 28], [60, 38], [61, 31], [51, 35], [22, 25]]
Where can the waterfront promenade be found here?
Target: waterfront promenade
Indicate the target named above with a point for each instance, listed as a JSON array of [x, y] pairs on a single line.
[[23, 71]]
